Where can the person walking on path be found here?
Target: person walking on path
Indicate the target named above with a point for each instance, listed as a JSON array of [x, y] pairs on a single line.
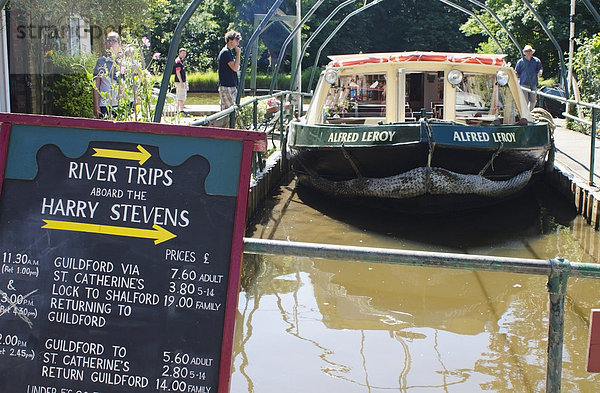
[[228, 65], [181, 85], [106, 78], [528, 70]]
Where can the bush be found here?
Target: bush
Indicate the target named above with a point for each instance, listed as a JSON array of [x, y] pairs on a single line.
[[203, 81], [586, 65], [71, 95], [246, 113], [70, 91]]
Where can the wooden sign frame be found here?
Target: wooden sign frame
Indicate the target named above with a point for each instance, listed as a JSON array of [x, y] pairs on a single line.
[[593, 358], [209, 170]]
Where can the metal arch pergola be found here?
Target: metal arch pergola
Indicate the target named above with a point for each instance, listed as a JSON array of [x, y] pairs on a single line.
[[194, 5], [314, 35], [558, 49], [338, 27], [366, 5], [475, 2], [257, 32], [447, 2], [474, 15], [287, 41]]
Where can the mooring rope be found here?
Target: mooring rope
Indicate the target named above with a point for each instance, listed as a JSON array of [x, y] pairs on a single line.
[[349, 158], [491, 161]]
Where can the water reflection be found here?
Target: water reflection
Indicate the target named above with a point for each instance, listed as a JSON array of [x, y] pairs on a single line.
[[328, 326], [538, 211]]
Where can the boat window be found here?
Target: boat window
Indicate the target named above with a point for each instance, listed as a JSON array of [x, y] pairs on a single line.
[[480, 100], [355, 98], [424, 93]]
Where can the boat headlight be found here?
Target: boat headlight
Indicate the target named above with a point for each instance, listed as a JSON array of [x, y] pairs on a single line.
[[502, 77], [455, 77], [331, 76]]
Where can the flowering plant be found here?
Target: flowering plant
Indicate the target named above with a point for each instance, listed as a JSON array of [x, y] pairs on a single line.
[[132, 82], [343, 107], [335, 110]]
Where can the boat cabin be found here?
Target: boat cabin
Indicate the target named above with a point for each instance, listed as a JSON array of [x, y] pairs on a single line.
[[473, 89]]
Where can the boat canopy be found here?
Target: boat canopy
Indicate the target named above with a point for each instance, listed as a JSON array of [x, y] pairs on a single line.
[[402, 57]]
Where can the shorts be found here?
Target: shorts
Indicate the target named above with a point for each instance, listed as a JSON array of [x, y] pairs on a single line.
[[227, 94], [181, 92]]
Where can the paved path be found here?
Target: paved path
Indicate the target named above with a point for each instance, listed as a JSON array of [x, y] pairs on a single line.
[[201, 110], [573, 153], [197, 112]]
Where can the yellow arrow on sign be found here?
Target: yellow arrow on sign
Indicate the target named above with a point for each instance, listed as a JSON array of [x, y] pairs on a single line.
[[159, 234], [142, 155]]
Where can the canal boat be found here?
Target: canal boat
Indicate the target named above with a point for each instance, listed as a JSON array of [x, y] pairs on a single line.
[[424, 130]]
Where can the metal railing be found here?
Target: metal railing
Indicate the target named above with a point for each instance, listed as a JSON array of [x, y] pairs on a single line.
[[286, 112], [557, 270], [593, 123]]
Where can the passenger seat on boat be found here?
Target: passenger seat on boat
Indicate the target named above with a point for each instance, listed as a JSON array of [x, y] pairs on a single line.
[[437, 108]]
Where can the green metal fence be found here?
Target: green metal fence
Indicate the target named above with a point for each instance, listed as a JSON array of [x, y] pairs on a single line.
[[558, 272], [592, 123], [286, 113]]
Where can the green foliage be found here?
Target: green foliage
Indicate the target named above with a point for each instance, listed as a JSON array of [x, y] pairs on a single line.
[[527, 30], [203, 81], [548, 82], [134, 86], [245, 114], [208, 81], [586, 65], [69, 90], [117, 15], [65, 63], [202, 36], [71, 95], [306, 74], [416, 25], [390, 26]]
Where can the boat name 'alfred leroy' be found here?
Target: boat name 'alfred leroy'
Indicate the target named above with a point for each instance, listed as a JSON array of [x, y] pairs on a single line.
[[470, 136], [364, 136]]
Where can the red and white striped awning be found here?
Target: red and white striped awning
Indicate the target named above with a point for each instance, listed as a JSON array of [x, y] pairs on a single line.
[[401, 57]]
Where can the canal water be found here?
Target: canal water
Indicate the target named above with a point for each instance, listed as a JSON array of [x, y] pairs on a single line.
[[322, 326]]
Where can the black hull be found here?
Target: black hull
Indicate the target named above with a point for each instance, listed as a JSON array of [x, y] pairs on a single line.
[[419, 167], [383, 161]]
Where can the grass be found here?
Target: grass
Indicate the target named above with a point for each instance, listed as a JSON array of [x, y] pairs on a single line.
[[202, 99], [208, 81], [203, 86]]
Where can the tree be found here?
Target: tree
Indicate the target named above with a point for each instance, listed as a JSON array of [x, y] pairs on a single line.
[[202, 36], [425, 24], [393, 26], [586, 64], [526, 29]]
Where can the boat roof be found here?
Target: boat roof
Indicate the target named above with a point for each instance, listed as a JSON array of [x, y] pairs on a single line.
[[402, 57]]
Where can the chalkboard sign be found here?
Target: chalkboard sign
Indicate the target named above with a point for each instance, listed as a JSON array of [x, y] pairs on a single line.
[[120, 248]]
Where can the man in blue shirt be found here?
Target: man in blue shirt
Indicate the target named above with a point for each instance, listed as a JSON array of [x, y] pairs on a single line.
[[528, 70], [229, 65], [106, 78]]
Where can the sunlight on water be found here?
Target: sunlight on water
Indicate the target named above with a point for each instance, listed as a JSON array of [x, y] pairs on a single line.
[[339, 326]]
